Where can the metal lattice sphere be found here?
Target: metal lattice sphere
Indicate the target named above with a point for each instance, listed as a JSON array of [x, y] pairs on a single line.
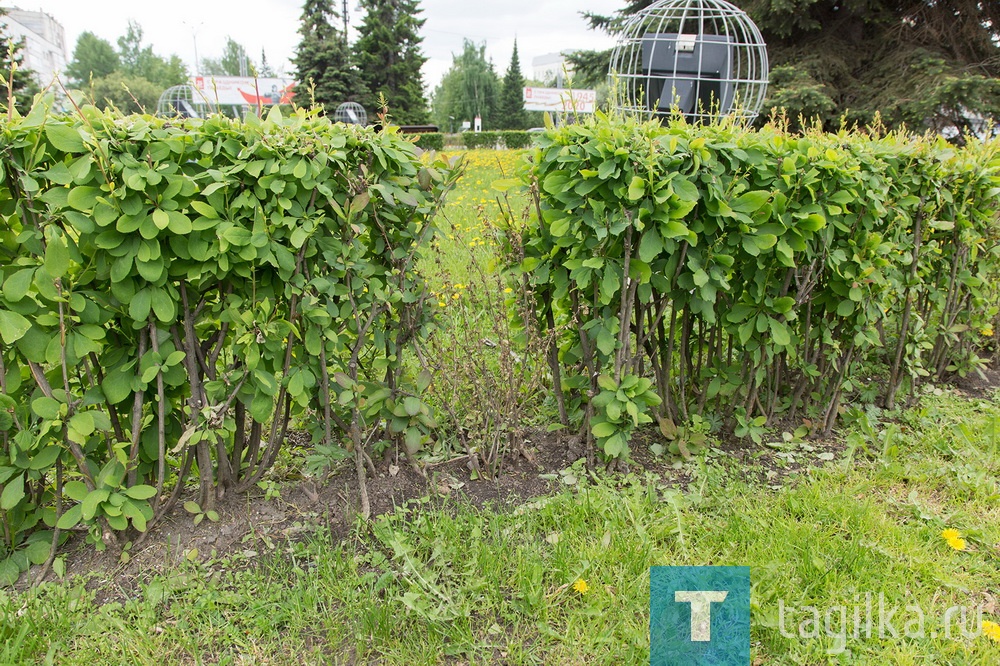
[[351, 113], [702, 58], [183, 101]]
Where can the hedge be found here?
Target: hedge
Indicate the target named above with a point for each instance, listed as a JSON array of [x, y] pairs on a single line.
[[511, 140], [176, 292], [715, 275], [429, 140]]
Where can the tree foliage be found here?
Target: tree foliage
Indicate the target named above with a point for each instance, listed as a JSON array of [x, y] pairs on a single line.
[[389, 58], [93, 57], [510, 113], [131, 78], [928, 64], [22, 85], [469, 88], [231, 63], [127, 93], [323, 60]]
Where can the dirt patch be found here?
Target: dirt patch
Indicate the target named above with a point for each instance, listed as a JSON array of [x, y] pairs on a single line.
[[976, 385], [252, 523]]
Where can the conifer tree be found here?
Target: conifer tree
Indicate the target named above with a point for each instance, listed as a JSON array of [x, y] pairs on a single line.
[[323, 60], [510, 113], [389, 58], [929, 64]]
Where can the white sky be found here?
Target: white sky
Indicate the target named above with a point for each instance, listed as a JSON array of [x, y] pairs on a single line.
[[177, 26]]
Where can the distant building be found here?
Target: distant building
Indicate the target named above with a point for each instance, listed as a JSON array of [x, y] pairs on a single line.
[[44, 42], [551, 68]]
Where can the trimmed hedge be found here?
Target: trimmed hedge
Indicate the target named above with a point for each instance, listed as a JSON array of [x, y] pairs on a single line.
[[176, 292], [511, 140], [429, 140], [743, 276]]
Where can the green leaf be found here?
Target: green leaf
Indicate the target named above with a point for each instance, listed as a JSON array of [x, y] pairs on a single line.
[[117, 385], [424, 380], [69, 519], [412, 439], [750, 202], [83, 198], [75, 490], [411, 405], [38, 551], [83, 423], [603, 429], [17, 285], [13, 493], [651, 245], [64, 137], [45, 407], [138, 308], [92, 501], [163, 306], [179, 223], [846, 308], [636, 189], [161, 218], [140, 492], [615, 445], [56, 256], [12, 326], [779, 333]]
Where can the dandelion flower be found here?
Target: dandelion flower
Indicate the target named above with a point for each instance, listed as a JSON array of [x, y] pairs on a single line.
[[455, 296], [442, 303], [986, 332], [581, 586], [507, 290], [958, 543], [991, 630], [950, 534]]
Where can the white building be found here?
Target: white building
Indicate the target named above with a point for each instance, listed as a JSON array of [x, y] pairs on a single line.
[[551, 68], [44, 49]]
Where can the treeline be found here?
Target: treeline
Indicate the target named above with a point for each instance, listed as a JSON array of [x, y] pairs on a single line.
[[130, 77]]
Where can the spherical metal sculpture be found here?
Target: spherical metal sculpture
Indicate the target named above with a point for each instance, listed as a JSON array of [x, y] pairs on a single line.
[[351, 113], [703, 59], [183, 101]]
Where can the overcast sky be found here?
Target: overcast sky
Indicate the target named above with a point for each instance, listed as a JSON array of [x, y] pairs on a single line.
[[177, 26]]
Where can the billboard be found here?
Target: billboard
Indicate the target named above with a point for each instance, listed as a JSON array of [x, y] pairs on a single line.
[[244, 90], [559, 99]]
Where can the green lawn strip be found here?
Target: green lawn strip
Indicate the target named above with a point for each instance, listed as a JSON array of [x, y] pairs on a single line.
[[426, 583]]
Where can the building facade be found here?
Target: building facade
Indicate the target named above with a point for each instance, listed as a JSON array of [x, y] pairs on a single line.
[[44, 42]]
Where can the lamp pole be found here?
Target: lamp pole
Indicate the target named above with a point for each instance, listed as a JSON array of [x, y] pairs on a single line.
[[194, 36]]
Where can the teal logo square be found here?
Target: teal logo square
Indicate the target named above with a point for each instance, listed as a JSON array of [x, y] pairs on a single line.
[[699, 616]]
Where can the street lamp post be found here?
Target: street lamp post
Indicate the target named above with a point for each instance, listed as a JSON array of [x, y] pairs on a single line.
[[194, 36]]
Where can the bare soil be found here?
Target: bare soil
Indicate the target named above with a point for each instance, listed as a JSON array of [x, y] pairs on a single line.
[[253, 523]]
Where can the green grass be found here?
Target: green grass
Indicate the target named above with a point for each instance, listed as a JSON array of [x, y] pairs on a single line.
[[455, 584], [428, 584]]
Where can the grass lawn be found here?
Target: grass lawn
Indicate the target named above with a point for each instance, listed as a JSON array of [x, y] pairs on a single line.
[[450, 583]]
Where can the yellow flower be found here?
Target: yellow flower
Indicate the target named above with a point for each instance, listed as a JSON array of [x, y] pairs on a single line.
[[581, 586], [507, 290], [455, 296], [442, 303], [950, 534], [991, 630], [986, 332], [958, 543]]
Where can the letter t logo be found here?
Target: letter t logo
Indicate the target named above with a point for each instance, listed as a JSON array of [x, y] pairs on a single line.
[[701, 611]]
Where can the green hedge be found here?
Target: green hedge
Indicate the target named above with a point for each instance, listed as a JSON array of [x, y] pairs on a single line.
[[741, 276], [175, 292], [429, 140], [511, 140]]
